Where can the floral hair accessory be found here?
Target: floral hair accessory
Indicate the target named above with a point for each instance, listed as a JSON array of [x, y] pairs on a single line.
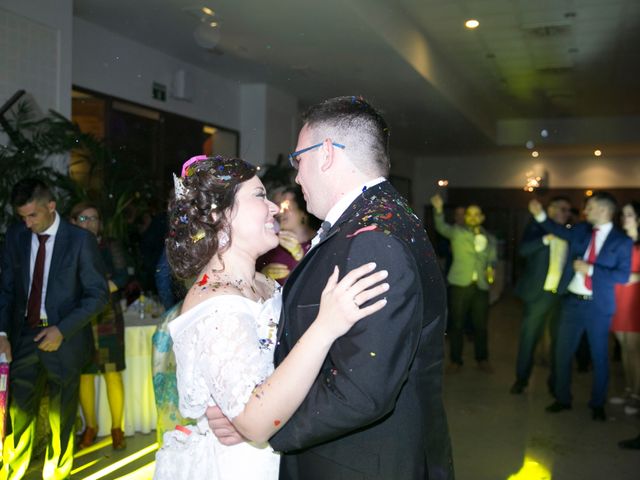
[[198, 236], [178, 186], [185, 166]]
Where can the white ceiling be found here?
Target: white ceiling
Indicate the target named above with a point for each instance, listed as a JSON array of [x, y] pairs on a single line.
[[440, 85]]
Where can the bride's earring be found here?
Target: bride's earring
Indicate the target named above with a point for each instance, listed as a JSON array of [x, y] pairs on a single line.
[[223, 239]]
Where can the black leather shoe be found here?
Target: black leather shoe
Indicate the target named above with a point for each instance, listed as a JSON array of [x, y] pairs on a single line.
[[632, 443], [517, 388], [556, 407], [597, 413]]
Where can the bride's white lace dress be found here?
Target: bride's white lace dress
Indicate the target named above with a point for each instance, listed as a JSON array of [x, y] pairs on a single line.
[[224, 348]]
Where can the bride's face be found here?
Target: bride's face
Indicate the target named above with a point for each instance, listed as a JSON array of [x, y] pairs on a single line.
[[252, 219]]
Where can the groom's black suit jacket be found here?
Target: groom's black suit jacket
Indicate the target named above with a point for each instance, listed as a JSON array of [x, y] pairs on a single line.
[[375, 411]]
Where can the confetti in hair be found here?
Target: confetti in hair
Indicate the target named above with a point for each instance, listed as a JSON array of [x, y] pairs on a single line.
[[200, 234], [178, 186]]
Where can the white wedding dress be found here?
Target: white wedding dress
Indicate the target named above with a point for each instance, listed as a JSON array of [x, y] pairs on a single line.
[[224, 348]]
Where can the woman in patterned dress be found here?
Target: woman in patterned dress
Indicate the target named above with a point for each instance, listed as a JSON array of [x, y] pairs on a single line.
[[108, 335]]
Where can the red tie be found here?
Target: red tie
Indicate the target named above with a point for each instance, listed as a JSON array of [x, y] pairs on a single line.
[[591, 258], [35, 297]]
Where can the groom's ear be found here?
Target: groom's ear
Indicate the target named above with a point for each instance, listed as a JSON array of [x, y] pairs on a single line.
[[327, 155]]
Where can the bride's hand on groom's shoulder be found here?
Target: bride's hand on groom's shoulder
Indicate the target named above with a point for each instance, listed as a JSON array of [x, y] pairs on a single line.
[[222, 427]]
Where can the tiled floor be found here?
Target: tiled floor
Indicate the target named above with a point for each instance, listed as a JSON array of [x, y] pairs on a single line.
[[493, 432]]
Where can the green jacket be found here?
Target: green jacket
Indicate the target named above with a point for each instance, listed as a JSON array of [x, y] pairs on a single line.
[[471, 253]]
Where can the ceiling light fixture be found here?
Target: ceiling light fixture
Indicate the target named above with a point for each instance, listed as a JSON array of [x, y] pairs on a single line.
[[472, 23], [207, 31], [597, 153], [207, 34]]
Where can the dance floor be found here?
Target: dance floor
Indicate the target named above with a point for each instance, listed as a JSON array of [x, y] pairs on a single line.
[[495, 435], [100, 461]]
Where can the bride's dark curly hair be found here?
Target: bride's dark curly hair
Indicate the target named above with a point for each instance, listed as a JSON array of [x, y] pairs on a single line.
[[209, 186]]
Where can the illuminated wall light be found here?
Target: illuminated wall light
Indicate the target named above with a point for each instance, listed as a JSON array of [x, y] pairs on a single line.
[[472, 23], [535, 154], [597, 153], [443, 183], [207, 11], [588, 193]]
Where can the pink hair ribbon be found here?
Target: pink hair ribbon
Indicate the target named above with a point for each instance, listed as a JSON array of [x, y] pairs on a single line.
[[190, 162]]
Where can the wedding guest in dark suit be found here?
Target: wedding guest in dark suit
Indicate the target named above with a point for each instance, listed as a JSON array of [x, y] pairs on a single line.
[[375, 411], [599, 257], [545, 256], [53, 280]]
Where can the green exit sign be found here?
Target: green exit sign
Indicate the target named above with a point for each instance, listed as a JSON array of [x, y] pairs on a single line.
[[159, 92]]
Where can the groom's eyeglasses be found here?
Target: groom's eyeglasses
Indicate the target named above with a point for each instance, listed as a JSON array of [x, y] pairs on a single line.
[[294, 158]]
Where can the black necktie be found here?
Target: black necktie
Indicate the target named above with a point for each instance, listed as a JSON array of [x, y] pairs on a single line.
[[35, 297], [324, 230]]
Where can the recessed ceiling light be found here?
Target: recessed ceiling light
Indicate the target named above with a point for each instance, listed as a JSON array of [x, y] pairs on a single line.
[[207, 11], [472, 23], [535, 154], [597, 153]]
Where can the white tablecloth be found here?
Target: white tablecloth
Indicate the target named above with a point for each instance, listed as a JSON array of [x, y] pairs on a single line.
[[139, 403]]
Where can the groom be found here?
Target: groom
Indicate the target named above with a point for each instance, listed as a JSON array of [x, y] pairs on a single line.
[[375, 411]]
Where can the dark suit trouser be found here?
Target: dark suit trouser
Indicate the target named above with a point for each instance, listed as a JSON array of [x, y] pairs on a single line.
[[580, 316], [546, 307], [474, 302], [28, 377]]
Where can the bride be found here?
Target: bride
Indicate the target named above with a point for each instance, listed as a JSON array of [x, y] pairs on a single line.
[[220, 222]]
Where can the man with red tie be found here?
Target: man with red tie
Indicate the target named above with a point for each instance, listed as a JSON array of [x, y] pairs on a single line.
[[599, 257], [52, 281]]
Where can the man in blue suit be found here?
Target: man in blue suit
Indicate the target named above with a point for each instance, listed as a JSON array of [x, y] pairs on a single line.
[[52, 281], [545, 256], [599, 257]]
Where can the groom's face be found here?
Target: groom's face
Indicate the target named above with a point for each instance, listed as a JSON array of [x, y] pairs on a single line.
[[309, 173]]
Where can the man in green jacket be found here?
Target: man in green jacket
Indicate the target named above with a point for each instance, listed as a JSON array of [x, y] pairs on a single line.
[[474, 257]]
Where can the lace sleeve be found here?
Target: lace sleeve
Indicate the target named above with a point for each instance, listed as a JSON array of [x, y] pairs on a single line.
[[230, 358]]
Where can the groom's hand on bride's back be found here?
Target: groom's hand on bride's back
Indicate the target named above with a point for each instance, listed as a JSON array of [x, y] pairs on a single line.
[[222, 427]]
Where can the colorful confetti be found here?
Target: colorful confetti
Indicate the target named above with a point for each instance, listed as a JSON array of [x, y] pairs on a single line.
[[363, 229], [198, 236]]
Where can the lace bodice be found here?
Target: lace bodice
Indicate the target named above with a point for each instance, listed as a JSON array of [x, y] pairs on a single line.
[[224, 348]]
